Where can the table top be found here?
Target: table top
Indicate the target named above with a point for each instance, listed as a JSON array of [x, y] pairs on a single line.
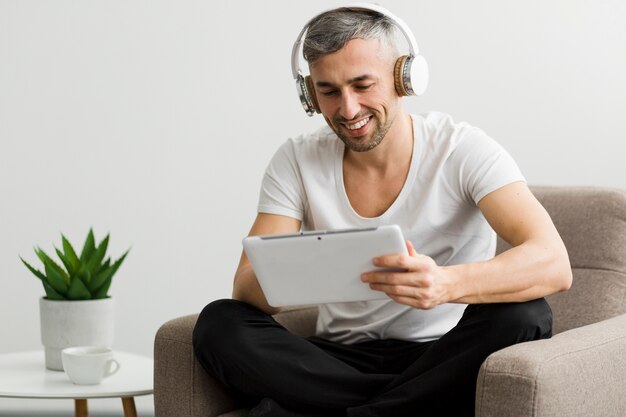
[[24, 375]]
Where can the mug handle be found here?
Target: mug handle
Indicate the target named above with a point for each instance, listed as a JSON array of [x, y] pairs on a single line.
[[112, 367]]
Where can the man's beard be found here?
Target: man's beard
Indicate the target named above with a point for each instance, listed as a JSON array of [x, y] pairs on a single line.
[[377, 136]]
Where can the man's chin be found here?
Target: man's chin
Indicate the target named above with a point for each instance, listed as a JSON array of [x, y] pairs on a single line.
[[359, 144]]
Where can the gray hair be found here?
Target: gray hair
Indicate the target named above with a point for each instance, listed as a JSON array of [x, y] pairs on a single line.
[[330, 31]]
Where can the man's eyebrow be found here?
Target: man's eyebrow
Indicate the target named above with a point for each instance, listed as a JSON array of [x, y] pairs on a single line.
[[363, 77]]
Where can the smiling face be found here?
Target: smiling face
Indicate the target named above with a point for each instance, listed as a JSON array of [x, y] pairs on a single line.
[[356, 94]]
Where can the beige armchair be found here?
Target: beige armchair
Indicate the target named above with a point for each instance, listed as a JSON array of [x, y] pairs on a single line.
[[581, 371]]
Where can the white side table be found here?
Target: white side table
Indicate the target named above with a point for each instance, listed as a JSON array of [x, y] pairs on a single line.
[[24, 375]]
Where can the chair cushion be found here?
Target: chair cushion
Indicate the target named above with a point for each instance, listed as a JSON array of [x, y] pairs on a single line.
[[592, 224]]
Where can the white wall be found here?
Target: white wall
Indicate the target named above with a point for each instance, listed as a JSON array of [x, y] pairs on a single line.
[[154, 120]]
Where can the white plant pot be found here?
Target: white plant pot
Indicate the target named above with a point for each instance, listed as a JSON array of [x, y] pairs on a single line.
[[75, 323]]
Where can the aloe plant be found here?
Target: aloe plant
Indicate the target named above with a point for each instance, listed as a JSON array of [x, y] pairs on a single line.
[[85, 277]]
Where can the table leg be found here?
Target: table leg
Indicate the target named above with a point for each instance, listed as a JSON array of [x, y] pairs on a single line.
[[129, 407], [80, 408]]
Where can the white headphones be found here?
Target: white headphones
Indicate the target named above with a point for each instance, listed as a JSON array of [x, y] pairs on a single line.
[[410, 71]]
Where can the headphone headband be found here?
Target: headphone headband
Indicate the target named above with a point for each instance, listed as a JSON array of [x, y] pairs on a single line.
[[295, 51]]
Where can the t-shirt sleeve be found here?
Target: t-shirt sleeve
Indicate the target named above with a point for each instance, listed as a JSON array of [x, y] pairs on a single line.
[[483, 165], [282, 190]]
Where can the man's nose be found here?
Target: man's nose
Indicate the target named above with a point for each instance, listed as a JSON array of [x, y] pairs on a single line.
[[350, 106]]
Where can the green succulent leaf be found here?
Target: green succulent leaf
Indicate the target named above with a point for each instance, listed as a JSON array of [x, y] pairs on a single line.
[[68, 266], [117, 263], [51, 294], [55, 280], [78, 290], [70, 255], [48, 261], [37, 273], [93, 263], [85, 276], [103, 290], [89, 247], [103, 266], [102, 281]]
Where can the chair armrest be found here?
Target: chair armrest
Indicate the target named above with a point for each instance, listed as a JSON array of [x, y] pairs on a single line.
[[581, 372], [182, 388]]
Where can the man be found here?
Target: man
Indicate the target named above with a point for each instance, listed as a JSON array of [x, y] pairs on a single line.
[[449, 187]]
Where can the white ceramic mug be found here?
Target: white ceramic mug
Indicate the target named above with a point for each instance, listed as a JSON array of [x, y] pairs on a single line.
[[88, 365]]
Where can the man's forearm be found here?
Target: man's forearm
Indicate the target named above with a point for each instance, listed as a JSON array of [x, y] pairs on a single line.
[[246, 288], [525, 272]]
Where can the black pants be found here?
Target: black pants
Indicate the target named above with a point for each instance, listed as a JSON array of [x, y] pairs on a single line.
[[248, 351]]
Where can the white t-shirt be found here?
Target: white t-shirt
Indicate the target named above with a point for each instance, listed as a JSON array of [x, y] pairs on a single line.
[[453, 166]]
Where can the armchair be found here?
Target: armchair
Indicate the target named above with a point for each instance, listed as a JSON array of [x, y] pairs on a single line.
[[580, 371]]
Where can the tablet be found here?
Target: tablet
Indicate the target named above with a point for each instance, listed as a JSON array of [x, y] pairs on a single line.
[[317, 267]]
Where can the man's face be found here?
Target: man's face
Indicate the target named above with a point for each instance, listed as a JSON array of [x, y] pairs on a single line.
[[355, 91]]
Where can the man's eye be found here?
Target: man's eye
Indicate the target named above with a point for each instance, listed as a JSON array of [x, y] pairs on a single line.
[[328, 93], [363, 87]]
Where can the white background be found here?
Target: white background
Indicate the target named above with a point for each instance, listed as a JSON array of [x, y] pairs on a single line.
[[154, 121]]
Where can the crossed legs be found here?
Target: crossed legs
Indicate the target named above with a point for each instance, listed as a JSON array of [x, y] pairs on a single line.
[[248, 351]]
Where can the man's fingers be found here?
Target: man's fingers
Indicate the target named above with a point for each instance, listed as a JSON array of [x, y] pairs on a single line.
[[403, 261], [383, 278], [413, 302], [398, 278], [393, 261], [410, 248], [397, 290], [422, 298]]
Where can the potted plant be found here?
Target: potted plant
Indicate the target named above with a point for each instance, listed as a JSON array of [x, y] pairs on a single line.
[[77, 309]]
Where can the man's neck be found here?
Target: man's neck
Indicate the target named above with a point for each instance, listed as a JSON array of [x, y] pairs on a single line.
[[393, 153]]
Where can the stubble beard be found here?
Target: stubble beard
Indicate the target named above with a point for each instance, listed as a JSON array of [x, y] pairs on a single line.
[[379, 133]]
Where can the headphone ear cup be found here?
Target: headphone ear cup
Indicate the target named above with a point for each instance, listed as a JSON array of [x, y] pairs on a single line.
[[410, 75], [419, 75], [311, 93], [307, 95], [398, 76]]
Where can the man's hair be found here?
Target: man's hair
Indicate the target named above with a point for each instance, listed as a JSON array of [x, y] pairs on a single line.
[[330, 31]]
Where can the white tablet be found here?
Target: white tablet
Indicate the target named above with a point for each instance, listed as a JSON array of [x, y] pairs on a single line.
[[320, 266]]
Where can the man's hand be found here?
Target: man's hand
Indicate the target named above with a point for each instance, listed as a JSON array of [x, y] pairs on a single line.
[[537, 264], [421, 284]]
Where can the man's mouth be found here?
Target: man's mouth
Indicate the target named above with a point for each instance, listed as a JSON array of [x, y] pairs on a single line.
[[357, 129], [358, 124]]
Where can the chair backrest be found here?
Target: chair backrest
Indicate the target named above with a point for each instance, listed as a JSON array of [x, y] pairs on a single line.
[[592, 223]]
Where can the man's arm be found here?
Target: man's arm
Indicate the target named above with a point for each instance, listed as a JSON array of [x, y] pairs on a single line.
[[246, 288], [537, 265]]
